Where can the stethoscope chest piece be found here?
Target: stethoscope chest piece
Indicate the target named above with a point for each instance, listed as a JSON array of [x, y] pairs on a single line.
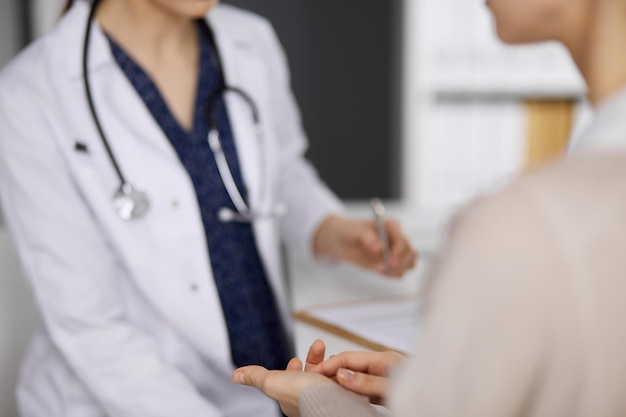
[[130, 203]]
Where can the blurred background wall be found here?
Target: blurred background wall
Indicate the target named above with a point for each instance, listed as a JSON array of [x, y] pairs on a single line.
[[414, 101], [345, 59], [10, 29], [477, 112], [18, 318]]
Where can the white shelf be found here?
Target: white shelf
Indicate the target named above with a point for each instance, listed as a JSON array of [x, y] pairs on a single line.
[[462, 92], [544, 70]]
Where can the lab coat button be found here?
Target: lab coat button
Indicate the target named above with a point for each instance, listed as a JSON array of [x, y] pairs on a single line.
[[175, 203], [194, 287]]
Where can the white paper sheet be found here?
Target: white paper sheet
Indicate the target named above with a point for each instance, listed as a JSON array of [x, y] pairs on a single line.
[[391, 321]]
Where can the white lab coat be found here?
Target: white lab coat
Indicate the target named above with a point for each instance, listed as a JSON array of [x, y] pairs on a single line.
[[133, 324]]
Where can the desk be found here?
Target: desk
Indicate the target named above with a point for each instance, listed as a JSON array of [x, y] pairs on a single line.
[[314, 284]]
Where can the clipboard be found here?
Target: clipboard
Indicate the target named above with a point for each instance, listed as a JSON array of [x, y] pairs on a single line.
[[379, 324]]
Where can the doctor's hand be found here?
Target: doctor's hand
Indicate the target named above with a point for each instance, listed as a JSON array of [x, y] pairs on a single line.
[[366, 373], [357, 242], [282, 386]]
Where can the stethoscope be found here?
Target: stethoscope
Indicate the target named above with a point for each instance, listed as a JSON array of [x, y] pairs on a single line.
[[131, 202]]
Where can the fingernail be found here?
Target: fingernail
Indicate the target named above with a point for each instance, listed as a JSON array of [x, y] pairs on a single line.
[[345, 374], [238, 378]]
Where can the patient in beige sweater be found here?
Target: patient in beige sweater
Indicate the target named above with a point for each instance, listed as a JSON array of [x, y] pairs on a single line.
[[524, 316], [525, 313]]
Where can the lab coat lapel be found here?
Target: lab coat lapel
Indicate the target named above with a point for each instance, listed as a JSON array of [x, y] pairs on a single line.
[[110, 87], [242, 68], [134, 117]]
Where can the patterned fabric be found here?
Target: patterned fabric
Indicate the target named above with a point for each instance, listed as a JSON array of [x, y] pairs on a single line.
[[254, 325]]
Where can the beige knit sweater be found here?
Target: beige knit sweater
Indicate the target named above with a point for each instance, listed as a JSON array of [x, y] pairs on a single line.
[[526, 313]]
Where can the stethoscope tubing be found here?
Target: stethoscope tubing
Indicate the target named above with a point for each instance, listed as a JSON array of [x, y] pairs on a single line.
[[131, 202], [90, 102]]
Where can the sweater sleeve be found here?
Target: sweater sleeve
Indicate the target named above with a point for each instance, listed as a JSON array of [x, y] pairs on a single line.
[[489, 323], [331, 400]]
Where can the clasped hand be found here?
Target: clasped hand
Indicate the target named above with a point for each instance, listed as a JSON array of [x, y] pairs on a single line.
[[365, 373]]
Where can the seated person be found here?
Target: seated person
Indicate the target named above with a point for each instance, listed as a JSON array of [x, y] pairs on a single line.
[[524, 315]]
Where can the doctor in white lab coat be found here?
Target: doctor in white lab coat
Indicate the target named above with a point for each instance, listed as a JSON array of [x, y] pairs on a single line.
[[133, 325]]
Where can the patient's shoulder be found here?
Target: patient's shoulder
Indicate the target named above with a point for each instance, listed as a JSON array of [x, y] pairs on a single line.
[[571, 207]]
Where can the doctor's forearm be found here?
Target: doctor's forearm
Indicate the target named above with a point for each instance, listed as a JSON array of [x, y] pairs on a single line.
[[326, 239]]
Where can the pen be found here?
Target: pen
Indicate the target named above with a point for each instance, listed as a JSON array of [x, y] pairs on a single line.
[[379, 219]]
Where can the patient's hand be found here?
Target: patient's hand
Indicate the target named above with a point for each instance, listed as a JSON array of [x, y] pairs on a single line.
[[365, 373], [282, 386], [315, 355]]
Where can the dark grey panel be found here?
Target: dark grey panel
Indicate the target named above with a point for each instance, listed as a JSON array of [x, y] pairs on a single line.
[[12, 34], [10, 29], [344, 62]]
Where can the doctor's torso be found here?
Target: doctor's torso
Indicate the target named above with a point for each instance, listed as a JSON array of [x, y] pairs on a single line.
[[162, 282]]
